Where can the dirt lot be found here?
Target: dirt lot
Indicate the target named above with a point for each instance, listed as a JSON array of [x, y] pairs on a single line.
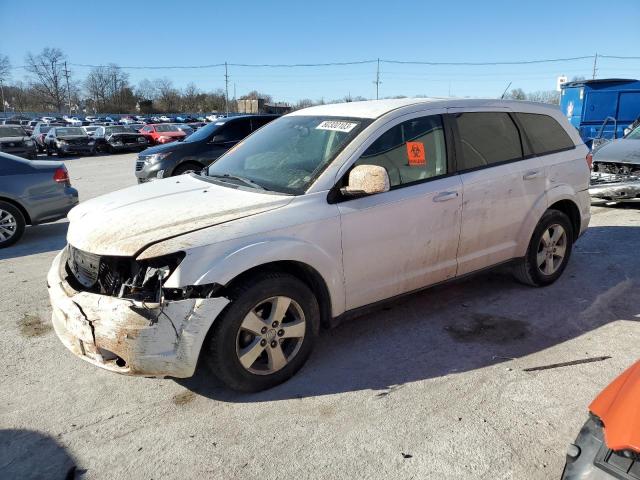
[[432, 386]]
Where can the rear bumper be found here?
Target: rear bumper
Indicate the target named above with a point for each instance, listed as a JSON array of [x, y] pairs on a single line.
[[126, 336]]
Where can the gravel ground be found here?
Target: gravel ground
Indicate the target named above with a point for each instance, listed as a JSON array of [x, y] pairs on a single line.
[[430, 387]]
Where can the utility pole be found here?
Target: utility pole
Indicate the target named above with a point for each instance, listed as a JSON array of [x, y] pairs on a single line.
[[2, 91], [226, 88], [595, 66], [66, 75], [377, 80]]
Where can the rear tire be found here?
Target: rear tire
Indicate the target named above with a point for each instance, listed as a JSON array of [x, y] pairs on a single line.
[[548, 252], [12, 224], [266, 334]]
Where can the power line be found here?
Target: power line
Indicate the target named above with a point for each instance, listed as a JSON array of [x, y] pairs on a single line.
[[356, 62]]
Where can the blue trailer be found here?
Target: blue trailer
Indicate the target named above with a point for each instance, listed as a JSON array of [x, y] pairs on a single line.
[[601, 109]]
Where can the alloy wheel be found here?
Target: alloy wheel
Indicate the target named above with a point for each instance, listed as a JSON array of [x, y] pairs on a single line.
[[270, 335], [552, 249], [8, 225]]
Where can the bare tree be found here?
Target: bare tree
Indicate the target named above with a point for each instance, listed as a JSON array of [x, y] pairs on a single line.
[[168, 95], [544, 96], [5, 73], [190, 98], [516, 94], [254, 95], [146, 90], [48, 73]]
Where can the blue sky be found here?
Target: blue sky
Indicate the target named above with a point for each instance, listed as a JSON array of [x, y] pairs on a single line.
[[193, 32]]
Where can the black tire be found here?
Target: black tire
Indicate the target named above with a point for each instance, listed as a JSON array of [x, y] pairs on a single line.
[[20, 224], [527, 270], [222, 355], [49, 152], [187, 167]]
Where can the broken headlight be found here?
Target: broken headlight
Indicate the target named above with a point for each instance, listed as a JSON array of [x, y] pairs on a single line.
[[146, 284]]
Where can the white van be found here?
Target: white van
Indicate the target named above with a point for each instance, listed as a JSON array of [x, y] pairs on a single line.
[[316, 215]]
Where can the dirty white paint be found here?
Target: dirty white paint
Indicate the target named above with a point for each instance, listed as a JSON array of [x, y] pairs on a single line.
[[123, 222], [154, 340]]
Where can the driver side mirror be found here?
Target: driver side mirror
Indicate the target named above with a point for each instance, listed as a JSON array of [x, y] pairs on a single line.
[[367, 180]]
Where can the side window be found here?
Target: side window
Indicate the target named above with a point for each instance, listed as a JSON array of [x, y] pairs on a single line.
[[487, 138], [411, 151], [147, 129], [545, 134], [235, 131]]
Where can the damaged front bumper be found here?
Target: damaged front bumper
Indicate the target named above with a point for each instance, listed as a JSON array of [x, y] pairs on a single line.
[[613, 187], [129, 336]]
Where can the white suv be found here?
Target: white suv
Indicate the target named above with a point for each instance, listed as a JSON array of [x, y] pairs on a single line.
[[316, 215]]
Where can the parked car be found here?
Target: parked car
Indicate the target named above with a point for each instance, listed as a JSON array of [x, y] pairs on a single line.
[[198, 150], [119, 138], [312, 218], [126, 120], [90, 119], [608, 445], [73, 121], [160, 133], [616, 169], [48, 119], [90, 129], [40, 132], [66, 140], [30, 126], [31, 193], [14, 140], [185, 128], [214, 117]]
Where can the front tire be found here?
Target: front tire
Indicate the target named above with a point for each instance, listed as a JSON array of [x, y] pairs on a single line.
[[266, 334], [12, 224], [548, 252], [187, 168]]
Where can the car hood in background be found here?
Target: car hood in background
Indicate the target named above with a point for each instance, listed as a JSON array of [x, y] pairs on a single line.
[[618, 406], [126, 221], [622, 150], [172, 147]]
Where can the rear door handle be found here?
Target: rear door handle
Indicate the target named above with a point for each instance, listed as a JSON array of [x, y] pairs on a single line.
[[444, 196], [531, 175]]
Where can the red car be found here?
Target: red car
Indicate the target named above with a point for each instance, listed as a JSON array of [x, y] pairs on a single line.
[[161, 133], [608, 446]]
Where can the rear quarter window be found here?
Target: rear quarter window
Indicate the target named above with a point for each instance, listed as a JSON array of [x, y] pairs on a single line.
[[487, 138], [545, 134]]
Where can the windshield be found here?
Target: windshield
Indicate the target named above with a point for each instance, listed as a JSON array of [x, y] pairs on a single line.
[[634, 134], [70, 131], [289, 153], [166, 128], [11, 132], [203, 133]]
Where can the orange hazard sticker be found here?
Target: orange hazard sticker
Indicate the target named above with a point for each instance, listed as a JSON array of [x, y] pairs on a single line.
[[415, 154]]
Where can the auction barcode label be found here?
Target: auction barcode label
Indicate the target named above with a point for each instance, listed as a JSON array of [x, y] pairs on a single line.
[[337, 126]]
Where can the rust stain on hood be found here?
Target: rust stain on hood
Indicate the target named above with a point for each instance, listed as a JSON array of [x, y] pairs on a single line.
[[125, 221], [618, 406]]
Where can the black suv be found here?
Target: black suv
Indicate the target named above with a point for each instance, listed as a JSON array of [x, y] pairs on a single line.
[[14, 140], [198, 150]]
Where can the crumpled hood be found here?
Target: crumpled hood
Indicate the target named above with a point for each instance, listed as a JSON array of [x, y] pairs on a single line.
[[622, 150], [618, 406], [126, 221]]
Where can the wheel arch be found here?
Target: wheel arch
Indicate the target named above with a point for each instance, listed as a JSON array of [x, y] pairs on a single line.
[[571, 210], [303, 272]]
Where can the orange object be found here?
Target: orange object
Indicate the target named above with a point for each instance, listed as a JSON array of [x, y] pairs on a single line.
[[415, 153], [618, 406]]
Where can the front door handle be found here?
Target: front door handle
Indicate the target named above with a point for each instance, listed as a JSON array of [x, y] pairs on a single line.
[[531, 175], [444, 196]]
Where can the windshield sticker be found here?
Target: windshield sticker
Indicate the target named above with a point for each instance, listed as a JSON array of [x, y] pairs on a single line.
[[415, 154], [337, 126]]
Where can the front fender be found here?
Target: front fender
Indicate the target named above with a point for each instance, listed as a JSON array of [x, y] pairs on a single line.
[[227, 267]]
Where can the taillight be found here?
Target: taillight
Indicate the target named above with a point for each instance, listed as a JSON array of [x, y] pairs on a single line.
[[589, 160], [61, 175]]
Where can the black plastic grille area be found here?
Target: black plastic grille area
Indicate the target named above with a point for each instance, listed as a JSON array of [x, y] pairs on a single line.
[[618, 465], [99, 274]]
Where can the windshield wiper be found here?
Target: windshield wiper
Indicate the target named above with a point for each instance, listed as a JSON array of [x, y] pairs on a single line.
[[246, 181]]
